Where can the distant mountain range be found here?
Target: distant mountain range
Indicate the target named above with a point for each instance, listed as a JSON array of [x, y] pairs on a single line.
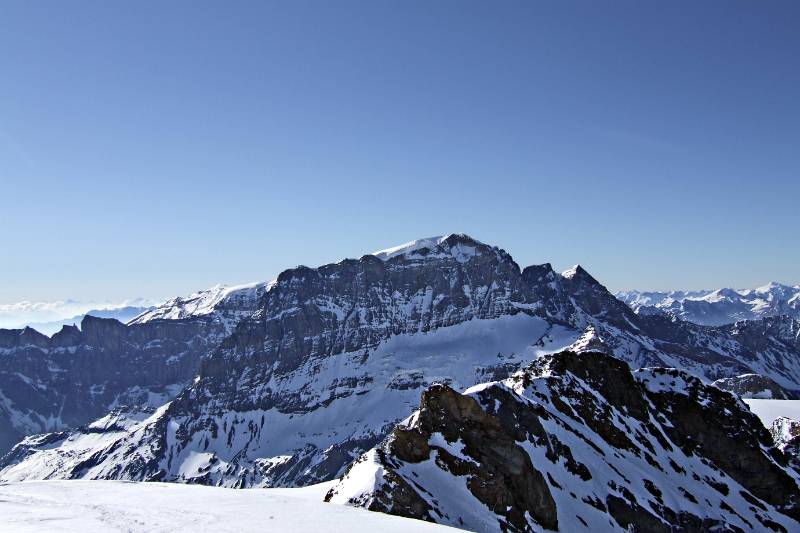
[[718, 307], [123, 314]]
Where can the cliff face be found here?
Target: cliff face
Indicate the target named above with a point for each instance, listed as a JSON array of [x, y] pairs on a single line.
[[579, 442], [77, 375]]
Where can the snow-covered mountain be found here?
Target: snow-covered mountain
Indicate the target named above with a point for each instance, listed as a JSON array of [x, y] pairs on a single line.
[[79, 374], [333, 357], [752, 386], [227, 305], [578, 442], [786, 434], [718, 307]]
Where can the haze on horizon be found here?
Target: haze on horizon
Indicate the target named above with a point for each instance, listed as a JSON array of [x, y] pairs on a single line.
[[153, 150]]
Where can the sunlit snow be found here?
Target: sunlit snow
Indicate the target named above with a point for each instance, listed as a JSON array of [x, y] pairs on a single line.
[[102, 506]]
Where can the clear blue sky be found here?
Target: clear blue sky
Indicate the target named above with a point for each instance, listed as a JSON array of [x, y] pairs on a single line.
[[154, 148]]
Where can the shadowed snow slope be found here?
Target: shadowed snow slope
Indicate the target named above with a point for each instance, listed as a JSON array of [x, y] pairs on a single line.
[[103, 506]]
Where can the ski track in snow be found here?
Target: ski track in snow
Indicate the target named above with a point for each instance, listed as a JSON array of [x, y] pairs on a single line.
[[103, 506]]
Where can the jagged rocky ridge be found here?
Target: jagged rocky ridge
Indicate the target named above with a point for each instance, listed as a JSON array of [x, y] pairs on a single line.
[[718, 307], [123, 314], [579, 442], [334, 357], [79, 374]]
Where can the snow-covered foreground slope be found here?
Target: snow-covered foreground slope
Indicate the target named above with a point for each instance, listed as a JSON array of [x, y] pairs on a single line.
[[103, 506]]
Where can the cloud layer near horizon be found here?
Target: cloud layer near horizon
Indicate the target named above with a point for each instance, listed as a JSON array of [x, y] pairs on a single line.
[[19, 314]]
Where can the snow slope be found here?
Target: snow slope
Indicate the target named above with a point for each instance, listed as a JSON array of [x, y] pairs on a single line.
[[227, 304], [101, 506], [409, 247]]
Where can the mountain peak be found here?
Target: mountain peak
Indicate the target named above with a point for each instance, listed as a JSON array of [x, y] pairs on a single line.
[[772, 287], [431, 243], [578, 273], [570, 272]]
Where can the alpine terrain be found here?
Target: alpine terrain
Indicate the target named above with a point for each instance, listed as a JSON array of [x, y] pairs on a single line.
[[721, 306], [579, 442], [80, 374], [287, 383]]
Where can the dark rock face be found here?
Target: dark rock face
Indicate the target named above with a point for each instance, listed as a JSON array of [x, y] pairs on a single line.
[[503, 477], [78, 375], [578, 441], [734, 443], [355, 304]]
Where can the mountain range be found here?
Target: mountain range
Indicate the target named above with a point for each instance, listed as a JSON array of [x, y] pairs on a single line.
[[287, 383], [718, 307]]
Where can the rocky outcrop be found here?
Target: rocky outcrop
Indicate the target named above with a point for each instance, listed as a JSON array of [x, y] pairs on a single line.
[[589, 445], [499, 475]]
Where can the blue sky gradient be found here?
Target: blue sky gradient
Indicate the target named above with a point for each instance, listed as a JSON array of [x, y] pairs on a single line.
[[155, 148]]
